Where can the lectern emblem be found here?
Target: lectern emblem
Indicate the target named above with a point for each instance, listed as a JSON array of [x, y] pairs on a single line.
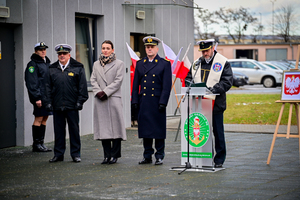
[[198, 130]]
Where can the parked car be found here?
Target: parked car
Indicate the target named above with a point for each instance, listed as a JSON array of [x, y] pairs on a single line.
[[240, 79], [275, 65], [257, 72]]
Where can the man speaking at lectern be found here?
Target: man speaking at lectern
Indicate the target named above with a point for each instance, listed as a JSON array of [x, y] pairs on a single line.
[[215, 71]]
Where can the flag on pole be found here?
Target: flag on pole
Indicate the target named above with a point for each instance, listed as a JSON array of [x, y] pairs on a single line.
[[171, 56], [133, 56], [182, 70], [176, 62], [134, 59]]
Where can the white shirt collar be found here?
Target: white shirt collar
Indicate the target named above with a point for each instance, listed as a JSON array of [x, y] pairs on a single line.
[[61, 65]]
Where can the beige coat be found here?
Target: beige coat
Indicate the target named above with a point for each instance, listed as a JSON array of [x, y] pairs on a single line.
[[108, 114]]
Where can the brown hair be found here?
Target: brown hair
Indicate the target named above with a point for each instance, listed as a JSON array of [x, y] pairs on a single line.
[[108, 42]]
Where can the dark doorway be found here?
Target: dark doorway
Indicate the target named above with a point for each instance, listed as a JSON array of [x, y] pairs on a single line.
[[247, 53], [7, 87]]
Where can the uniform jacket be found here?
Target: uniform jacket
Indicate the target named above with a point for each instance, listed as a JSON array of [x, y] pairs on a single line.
[[66, 88], [221, 88], [35, 73], [151, 87], [108, 114]]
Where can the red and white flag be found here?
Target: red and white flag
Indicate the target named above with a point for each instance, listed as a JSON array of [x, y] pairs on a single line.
[[134, 59], [182, 70], [133, 56], [170, 55]]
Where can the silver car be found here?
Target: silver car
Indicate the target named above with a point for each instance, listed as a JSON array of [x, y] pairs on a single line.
[[257, 72]]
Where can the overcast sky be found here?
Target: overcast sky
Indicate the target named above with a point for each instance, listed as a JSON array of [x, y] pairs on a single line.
[[255, 7]]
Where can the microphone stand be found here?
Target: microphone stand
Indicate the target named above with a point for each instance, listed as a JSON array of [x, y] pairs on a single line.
[[187, 94]]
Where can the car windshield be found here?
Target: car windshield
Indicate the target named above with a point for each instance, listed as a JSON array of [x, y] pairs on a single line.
[[259, 64]]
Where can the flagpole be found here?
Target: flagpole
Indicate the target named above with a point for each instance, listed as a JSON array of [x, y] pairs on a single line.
[[173, 86]]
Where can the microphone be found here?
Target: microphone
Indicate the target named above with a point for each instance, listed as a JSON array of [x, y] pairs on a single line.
[[197, 64]]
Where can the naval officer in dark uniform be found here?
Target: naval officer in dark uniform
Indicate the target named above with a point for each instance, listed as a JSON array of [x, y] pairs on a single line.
[[150, 94]]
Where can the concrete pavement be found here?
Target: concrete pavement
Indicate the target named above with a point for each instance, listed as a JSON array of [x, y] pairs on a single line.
[[28, 175]]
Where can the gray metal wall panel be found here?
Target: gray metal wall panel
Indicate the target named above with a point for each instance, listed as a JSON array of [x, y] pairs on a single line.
[[84, 6], [45, 24], [97, 6]]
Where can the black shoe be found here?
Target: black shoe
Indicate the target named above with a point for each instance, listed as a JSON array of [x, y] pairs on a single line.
[[145, 161], [76, 159], [218, 165], [159, 161], [113, 160], [38, 148], [106, 161], [56, 159], [46, 148]]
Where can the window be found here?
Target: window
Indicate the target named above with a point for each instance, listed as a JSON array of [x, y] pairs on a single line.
[[235, 64], [248, 65], [86, 52]]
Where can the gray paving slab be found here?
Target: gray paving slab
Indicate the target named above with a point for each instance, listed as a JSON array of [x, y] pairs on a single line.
[[28, 175]]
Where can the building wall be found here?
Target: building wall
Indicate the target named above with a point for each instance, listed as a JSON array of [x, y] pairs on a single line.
[[53, 21], [229, 50]]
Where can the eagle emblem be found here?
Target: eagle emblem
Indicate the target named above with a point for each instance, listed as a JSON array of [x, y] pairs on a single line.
[[292, 85]]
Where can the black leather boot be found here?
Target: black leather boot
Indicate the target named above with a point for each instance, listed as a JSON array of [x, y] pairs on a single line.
[[42, 137], [36, 146]]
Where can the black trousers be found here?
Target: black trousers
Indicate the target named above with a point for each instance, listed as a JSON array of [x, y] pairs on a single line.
[[159, 146], [60, 118], [220, 146], [112, 148]]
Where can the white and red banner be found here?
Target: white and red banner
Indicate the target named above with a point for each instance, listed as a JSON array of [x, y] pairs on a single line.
[[134, 59], [170, 55], [182, 70]]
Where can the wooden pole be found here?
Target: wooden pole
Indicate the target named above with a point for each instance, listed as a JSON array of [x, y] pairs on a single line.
[[173, 86], [298, 55]]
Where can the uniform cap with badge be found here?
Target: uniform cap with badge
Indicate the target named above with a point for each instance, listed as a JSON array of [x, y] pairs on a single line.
[[205, 44], [40, 46], [150, 40], [63, 48]]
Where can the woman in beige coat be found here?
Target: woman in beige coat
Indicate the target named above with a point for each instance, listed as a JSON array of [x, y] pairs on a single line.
[[106, 79]]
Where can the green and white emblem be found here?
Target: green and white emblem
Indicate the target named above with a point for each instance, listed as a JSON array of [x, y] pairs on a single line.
[[31, 69], [198, 130]]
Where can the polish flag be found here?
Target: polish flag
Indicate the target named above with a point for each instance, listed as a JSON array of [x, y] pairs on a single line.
[[170, 55], [134, 59], [133, 56], [182, 70]]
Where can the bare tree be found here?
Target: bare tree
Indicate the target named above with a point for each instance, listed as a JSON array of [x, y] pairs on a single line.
[[206, 18], [286, 22], [258, 28], [235, 21]]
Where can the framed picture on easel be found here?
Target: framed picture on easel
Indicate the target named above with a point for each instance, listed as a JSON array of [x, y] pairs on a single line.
[[290, 89]]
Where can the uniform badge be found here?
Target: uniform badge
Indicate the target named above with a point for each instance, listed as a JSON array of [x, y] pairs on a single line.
[[149, 40], [145, 60], [31, 69], [217, 67], [70, 74], [156, 60]]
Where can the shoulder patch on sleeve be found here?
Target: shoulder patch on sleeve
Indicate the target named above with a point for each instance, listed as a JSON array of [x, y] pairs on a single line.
[[31, 69]]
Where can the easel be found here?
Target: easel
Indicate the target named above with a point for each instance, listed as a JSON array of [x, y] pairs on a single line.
[[297, 110], [287, 135]]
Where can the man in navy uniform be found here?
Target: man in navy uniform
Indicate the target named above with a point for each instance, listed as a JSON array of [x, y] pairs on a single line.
[[217, 74], [150, 94], [66, 91]]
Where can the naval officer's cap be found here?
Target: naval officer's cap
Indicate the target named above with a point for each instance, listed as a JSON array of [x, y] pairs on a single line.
[[40, 46], [63, 48], [205, 44], [150, 40]]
